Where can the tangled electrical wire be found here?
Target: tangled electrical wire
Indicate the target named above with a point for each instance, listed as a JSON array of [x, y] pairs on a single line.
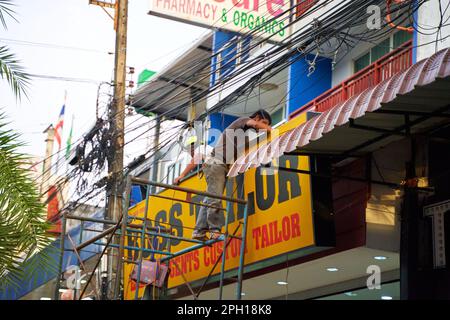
[[333, 36]]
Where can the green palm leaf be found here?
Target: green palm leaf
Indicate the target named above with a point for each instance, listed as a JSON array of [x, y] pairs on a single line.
[[23, 223], [13, 73], [5, 10], [10, 68]]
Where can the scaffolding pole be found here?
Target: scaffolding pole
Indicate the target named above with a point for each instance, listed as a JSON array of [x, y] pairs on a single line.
[[142, 229]]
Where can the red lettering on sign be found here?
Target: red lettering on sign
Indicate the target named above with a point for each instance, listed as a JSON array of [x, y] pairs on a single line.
[[268, 235]]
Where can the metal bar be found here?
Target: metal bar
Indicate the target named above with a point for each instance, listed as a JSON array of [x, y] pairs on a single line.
[[193, 248], [299, 152], [101, 255], [164, 235], [186, 282], [154, 229], [187, 201], [61, 257], [144, 228], [169, 248], [400, 128], [102, 4], [242, 255], [215, 265], [80, 261], [411, 113], [389, 184], [93, 230], [172, 187], [166, 253], [374, 129], [69, 216], [222, 271], [97, 237], [122, 239], [129, 261]]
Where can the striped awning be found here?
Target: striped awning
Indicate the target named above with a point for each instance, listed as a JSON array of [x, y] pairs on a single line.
[[396, 94]]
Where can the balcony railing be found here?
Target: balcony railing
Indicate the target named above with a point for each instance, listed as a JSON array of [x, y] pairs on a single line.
[[384, 68]]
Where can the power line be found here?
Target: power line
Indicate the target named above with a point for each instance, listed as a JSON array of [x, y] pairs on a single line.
[[53, 46]]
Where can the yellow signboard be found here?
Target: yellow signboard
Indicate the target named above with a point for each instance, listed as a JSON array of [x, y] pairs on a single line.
[[280, 220]]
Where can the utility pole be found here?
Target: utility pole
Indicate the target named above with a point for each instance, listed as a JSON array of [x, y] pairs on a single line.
[[117, 116]]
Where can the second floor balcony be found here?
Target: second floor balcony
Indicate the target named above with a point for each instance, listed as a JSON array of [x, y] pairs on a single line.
[[382, 69]]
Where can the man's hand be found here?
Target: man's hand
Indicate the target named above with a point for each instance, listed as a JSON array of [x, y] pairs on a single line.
[[258, 125], [176, 181]]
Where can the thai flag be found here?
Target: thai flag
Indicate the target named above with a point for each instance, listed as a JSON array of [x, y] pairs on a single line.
[[59, 127]]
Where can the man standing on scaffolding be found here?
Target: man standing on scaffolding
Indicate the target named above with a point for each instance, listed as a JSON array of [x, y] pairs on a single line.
[[229, 147]]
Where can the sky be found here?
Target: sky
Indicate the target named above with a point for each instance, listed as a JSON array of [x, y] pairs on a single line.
[[86, 34]]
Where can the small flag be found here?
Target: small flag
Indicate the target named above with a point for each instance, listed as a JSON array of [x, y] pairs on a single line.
[[69, 141], [59, 127]]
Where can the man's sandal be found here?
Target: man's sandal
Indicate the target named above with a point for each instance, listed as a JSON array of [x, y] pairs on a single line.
[[216, 235]]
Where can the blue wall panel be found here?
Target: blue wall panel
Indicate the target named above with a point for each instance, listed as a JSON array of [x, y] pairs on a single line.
[[219, 121], [301, 88]]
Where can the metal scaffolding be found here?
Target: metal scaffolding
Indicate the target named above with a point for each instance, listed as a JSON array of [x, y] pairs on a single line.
[[124, 227]]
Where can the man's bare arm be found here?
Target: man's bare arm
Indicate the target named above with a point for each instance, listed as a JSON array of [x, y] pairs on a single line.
[[258, 125], [188, 169]]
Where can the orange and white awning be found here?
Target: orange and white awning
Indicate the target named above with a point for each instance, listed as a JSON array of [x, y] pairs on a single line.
[[421, 94]]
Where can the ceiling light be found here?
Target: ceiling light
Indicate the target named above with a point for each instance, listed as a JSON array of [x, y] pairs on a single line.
[[282, 283], [386, 298], [380, 258], [45, 298], [62, 290], [332, 269], [267, 86], [351, 294], [242, 293]]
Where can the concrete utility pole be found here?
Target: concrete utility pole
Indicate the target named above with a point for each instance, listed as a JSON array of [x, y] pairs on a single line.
[[117, 110], [117, 114]]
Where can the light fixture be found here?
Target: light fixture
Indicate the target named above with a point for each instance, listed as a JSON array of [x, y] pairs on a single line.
[[62, 290], [351, 294], [45, 298], [83, 281], [282, 283], [380, 258], [242, 293], [267, 86], [386, 298], [332, 269]]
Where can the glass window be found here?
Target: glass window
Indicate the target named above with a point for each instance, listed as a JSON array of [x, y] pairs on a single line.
[[277, 116], [380, 50], [401, 37], [362, 62]]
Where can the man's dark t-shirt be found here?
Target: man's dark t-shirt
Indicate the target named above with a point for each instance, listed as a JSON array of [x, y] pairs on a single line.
[[231, 137]]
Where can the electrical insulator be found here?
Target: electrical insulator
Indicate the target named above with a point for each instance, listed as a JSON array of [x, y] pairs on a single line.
[[131, 70], [130, 84]]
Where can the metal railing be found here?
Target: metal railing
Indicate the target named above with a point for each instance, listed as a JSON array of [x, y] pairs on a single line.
[[123, 228], [396, 61]]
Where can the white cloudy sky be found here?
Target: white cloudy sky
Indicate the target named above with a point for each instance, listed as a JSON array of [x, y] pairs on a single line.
[[152, 43]]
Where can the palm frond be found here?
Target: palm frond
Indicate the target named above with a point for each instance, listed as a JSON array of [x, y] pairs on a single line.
[[14, 74], [23, 223], [5, 10]]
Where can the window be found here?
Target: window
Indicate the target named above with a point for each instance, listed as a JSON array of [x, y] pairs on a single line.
[[278, 116], [401, 37], [362, 62], [172, 172], [382, 49]]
